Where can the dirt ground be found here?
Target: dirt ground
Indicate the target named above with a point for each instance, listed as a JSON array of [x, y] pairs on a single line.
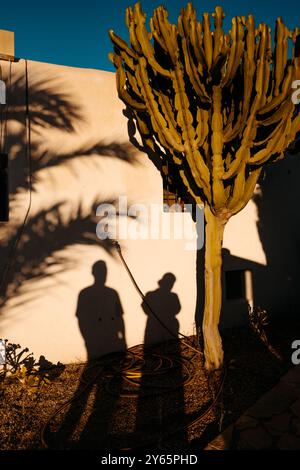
[[159, 400]]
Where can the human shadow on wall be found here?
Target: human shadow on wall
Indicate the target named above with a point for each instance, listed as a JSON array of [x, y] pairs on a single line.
[[100, 319], [166, 304], [100, 316], [161, 396]]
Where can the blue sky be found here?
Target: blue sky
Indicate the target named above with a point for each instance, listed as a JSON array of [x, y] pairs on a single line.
[[75, 33]]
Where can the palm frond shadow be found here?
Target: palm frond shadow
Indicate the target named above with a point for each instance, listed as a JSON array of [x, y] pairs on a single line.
[[122, 151], [49, 108], [35, 251], [39, 252]]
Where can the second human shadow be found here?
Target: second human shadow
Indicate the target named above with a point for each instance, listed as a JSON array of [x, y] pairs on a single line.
[[161, 396]]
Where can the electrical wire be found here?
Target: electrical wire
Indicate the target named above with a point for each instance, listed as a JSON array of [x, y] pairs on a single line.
[[3, 147], [14, 247], [118, 248], [1, 113]]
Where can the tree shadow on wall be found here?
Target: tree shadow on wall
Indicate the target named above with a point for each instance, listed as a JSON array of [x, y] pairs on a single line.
[[279, 231], [275, 285], [40, 250], [31, 245]]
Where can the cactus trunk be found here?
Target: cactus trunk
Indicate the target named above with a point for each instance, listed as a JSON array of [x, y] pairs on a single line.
[[213, 289]]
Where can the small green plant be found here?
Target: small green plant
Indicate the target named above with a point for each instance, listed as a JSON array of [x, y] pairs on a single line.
[[21, 366]]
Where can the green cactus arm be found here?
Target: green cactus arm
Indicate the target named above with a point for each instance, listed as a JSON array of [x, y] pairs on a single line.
[[260, 85], [275, 145], [242, 155], [168, 32], [166, 108], [278, 100], [202, 129], [282, 112], [266, 57], [120, 44], [196, 162], [218, 16], [156, 36], [168, 114], [238, 187], [155, 30], [185, 181], [187, 31], [296, 53], [248, 76], [270, 136], [249, 65], [228, 123], [121, 86], [265, 154], [192, 72], [281, 35], [236, 50], [157, 119], [250, 184], [251, 127], [207, 40], [127, 59], [133, 84], [197, 42], [141, 35], [145, 133], [217, 149], [230, 132], [132, 18], [191, 29]]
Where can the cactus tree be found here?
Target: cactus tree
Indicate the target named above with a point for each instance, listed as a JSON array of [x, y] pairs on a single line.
[[219, 107]]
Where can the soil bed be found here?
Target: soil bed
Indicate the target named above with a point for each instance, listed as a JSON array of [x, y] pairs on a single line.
[[145, 402]]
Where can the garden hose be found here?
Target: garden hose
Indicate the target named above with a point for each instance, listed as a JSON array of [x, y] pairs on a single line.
[[117, 245]]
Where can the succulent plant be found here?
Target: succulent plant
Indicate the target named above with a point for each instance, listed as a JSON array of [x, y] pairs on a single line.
[[216, 105]]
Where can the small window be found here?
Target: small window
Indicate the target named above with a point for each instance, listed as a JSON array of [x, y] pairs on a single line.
[[4, 196], [235, 284]]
